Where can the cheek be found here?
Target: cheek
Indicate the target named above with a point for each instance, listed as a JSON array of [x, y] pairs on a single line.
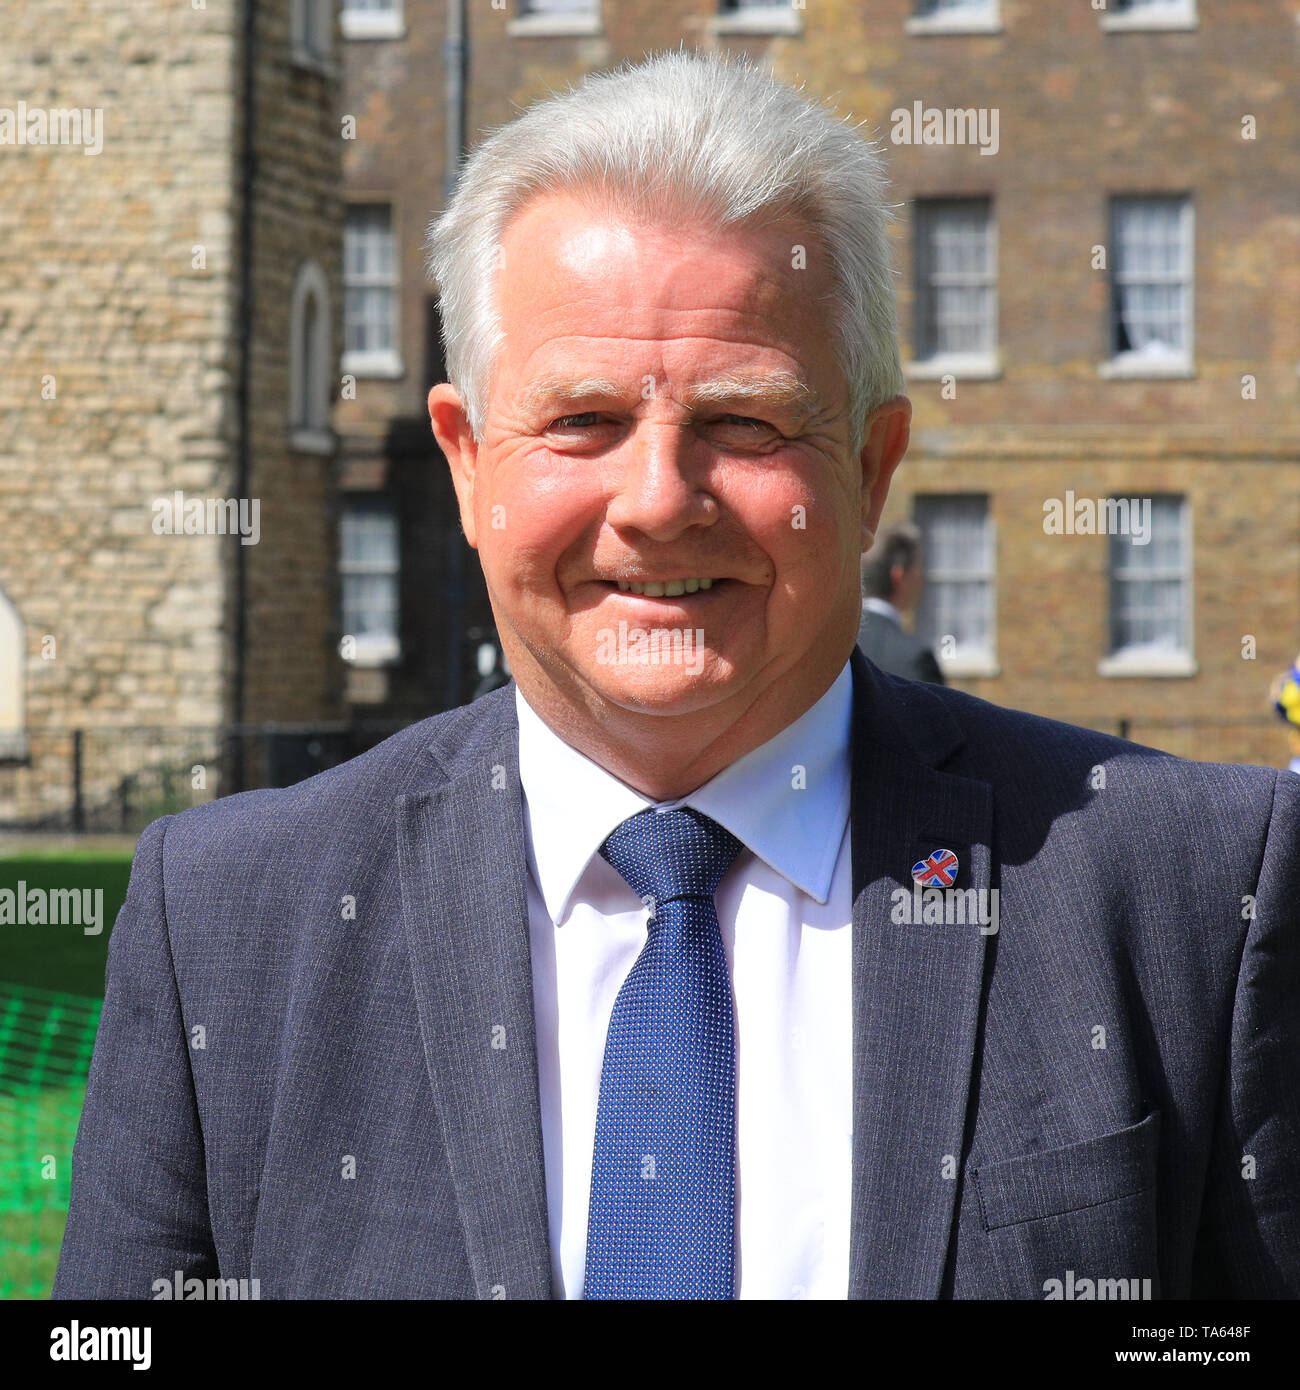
[[527, 519], [800, 526]]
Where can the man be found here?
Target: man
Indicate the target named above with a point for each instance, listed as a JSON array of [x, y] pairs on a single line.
[[891, 586], [622, 982]]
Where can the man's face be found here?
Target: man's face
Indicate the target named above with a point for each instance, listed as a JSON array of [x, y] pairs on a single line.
[[666, 409]]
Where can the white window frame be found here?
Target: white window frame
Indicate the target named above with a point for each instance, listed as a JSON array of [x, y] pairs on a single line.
[[777, 17], [13, 673], [970, 660], [309, 402], [523, 25], [317, 60], [388, 23], [1155, 661], [381, 363], [987, 20], [1173, 16], [970, 366], [1136, 364], [374, 649]]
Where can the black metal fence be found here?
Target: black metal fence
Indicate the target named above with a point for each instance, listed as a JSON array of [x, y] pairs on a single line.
[[117, 781], [100, 781]]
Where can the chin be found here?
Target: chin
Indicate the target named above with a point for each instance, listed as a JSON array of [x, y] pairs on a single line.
[[665, 690]]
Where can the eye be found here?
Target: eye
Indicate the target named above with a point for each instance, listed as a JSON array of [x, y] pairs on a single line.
[[576, 422], [743, 432]]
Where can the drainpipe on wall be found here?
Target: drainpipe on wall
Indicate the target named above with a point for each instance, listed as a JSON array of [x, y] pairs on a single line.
[[243, 386], [456, 63]]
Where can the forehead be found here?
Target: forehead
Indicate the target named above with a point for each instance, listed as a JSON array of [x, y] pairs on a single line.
[[584, 280]]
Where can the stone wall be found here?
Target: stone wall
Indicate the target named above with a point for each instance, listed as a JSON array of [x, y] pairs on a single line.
[[118, 366], [294, 671]]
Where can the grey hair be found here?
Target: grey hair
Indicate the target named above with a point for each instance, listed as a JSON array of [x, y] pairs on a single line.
[[708, 136]]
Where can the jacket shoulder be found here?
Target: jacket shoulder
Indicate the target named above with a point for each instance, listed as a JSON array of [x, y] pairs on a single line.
[[1028, 754], [352, 798]]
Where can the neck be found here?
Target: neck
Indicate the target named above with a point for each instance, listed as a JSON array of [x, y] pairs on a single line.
[[667, 756]]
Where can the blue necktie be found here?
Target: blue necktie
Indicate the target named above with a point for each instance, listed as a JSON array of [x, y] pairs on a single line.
[[663, 1180]]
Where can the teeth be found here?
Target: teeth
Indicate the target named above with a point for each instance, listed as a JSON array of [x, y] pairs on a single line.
[[672, 588]]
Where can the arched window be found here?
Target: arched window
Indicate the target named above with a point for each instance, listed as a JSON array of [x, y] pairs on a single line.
[[13, 659], [309, 362]]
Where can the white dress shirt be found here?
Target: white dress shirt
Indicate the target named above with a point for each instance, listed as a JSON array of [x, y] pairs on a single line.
[[871, 604], [785, 909]]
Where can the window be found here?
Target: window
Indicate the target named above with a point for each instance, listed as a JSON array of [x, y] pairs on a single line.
[[540, 18], [13, 660], [372, 19], [309, 362], [955, 613], [369, 572], [756, 17], [1149, 14], [370, 283], [954, 17], [1151, 285], [929, 7], [1150, 591], [956, 284], [311, 31]]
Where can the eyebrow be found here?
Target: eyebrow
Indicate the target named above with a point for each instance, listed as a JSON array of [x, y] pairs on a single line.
[[778, 391]]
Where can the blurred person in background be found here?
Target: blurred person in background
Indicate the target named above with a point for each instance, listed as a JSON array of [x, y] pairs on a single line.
[[892, 579]]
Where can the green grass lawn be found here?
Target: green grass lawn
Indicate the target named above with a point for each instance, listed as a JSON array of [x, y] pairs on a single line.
[[62, 958]]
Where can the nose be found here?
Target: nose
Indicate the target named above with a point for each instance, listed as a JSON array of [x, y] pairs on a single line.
[[659, 487]]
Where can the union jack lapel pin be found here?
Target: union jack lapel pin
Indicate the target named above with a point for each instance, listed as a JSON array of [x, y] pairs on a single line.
[[937, 870]]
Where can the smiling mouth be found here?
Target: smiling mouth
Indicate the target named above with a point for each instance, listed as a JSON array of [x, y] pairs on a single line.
[[668, 588]]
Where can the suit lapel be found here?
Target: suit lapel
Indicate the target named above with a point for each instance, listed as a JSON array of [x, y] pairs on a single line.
[[463, 876], [916, 992], [916, 987]]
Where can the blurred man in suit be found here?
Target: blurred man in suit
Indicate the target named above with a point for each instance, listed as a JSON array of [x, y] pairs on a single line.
[[704, 959], [892, 579]]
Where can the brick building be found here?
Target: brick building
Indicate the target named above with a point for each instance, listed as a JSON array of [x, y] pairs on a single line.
[[170, 309], [1099, 255], [1105, 307]]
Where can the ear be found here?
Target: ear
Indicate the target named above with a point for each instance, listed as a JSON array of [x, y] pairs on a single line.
[[451, 429], [885, 438]]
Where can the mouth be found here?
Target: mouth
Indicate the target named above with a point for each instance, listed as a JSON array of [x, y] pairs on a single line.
[[666, 588]]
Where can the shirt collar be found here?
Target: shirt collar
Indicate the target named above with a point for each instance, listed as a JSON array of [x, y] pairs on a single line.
[[787, 800], [883, 607]]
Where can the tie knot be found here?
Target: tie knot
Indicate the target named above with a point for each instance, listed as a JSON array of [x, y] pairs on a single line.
[[671, 854]]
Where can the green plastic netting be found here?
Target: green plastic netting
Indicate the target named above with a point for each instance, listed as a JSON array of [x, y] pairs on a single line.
[[45, 1045]]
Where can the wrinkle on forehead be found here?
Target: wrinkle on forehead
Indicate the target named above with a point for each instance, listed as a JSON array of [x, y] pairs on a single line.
[[575, 271]]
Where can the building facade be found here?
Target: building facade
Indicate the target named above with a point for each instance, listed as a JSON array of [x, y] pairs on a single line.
[[215, 321], [170, 312], [1098, 241]]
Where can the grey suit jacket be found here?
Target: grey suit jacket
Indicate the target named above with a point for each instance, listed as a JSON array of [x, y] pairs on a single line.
[[885, 644], [316, 1064]]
